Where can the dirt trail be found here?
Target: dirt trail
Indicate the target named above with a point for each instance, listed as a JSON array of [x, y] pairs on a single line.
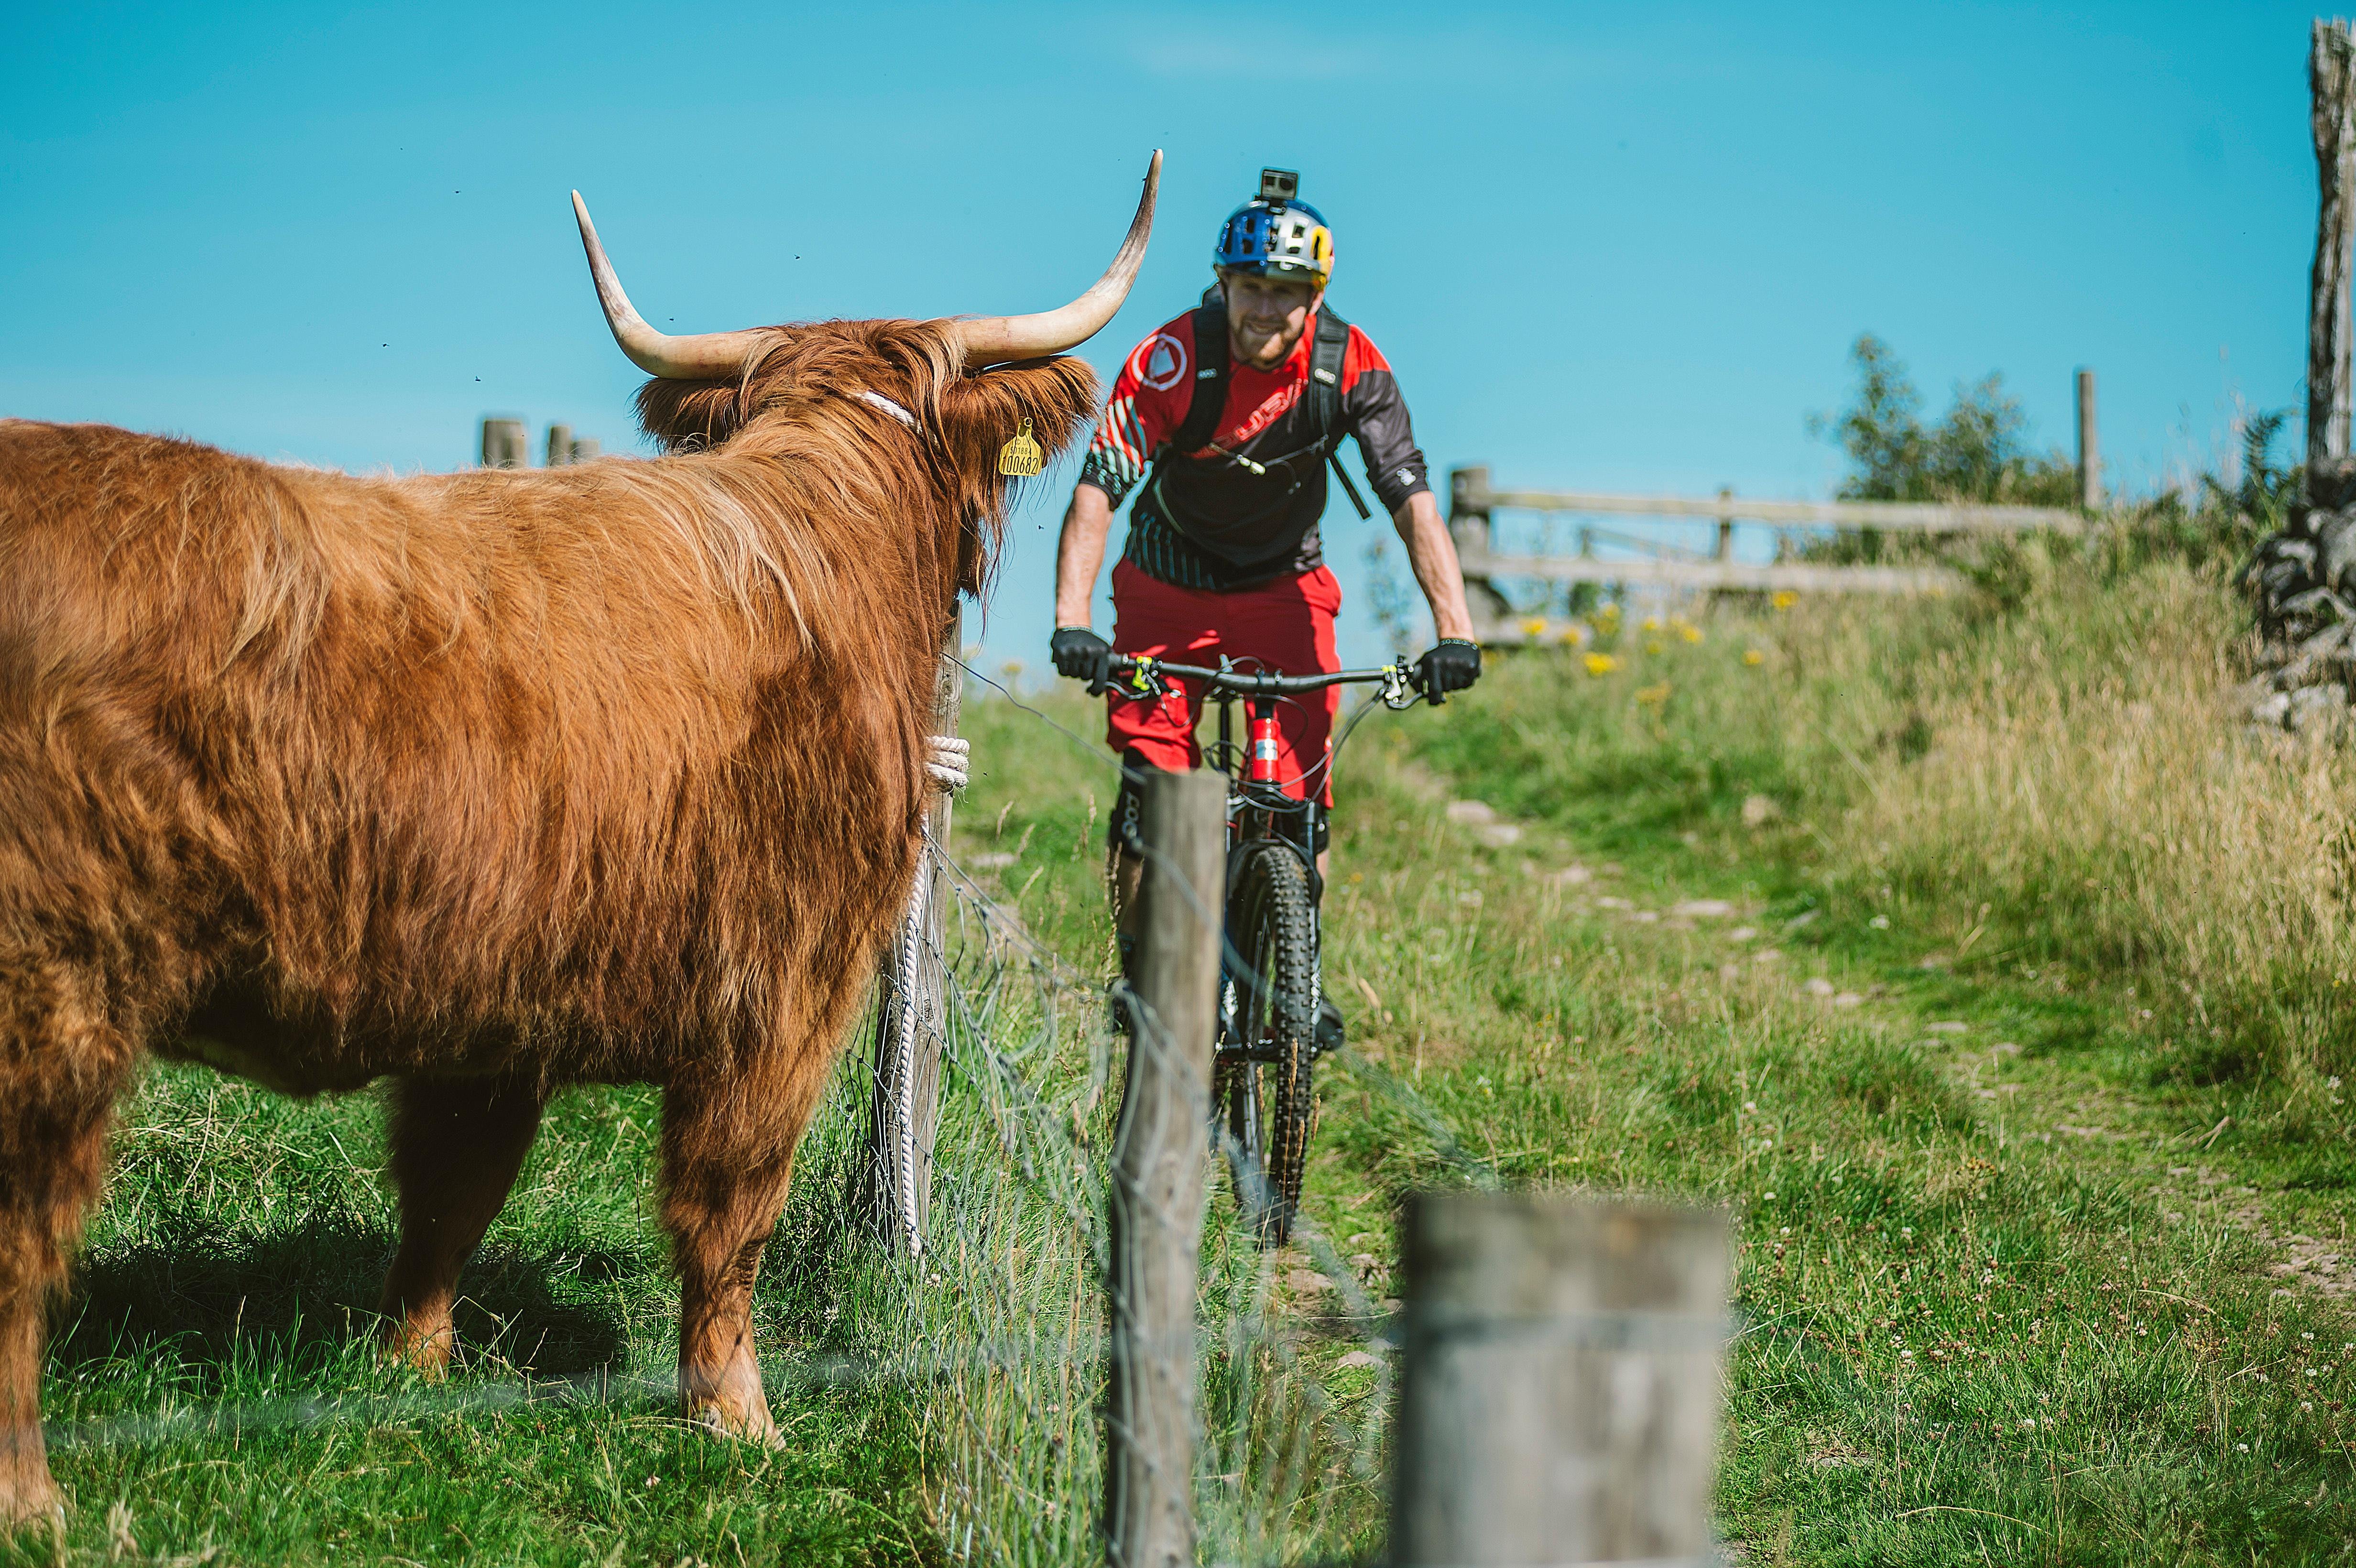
[[2071, 1102]]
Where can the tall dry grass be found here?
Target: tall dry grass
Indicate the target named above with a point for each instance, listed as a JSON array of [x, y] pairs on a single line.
[[2084, 793], [2049, 774]]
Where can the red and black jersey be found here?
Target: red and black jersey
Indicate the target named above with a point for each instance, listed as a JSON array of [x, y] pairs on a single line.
[[1244, 508]]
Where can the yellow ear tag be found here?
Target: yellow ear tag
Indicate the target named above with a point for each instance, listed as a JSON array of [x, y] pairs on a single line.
[[1021, 458]]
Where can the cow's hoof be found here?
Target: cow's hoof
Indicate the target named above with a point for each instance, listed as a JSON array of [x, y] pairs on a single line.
[[31, 1506], [732, 1405], [423, 1350], [746, 1425]]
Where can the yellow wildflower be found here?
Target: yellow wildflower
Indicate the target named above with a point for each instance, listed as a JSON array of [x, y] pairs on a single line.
[[1574, 635], [1652, 624], [1691, 633], [1784, 599], [1654, 644], [1534, 626], [1753, 658], [1601, 663], [1654, 695]]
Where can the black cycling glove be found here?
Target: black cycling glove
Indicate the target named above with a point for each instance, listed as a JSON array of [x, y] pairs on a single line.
[[1455, 665], [1082, 655]]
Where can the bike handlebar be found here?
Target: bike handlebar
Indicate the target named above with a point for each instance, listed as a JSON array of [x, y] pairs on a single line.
[[1243, 683]]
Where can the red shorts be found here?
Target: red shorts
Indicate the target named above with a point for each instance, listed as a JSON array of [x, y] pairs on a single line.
[[1287, 625]]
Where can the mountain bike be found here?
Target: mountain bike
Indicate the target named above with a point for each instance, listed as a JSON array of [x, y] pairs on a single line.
[[1273, 1020]]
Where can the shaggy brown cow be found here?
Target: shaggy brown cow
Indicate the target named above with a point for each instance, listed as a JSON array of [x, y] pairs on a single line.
[[492, 782]]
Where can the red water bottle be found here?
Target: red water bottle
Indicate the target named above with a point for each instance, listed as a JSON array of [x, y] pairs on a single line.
[[1260, 767]]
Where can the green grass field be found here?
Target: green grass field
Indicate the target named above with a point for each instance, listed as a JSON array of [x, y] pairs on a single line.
[[2026, 1168], [218, 1397], [1987, 975]]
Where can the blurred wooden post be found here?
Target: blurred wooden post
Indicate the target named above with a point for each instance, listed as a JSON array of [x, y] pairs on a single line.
[[2332, 61], [505, 445], [1468, 509], [1560, 1388], [911, 1012], [560, 445], [2090, 447], [1470, 526], [1725, 523], [1157, 1177], [584, 449]]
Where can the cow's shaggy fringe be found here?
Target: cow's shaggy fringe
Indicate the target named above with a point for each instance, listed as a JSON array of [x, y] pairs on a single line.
[[490, 782]]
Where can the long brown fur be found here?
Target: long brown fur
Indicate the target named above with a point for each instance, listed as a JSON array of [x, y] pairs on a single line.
[[490, 782]]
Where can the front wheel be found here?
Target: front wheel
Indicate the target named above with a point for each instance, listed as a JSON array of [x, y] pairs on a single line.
[[1266, 1099]]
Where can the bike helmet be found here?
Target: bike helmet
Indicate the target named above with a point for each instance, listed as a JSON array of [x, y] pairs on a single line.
[[1277, 235]]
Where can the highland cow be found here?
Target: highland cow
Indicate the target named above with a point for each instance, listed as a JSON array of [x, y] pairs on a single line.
[[492, 782]]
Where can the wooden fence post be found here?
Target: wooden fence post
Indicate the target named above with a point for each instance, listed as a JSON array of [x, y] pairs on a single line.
[[1559, 1391], [1468, 509], [505, 445], [2089, 446], [560, 445], [911, 1010], [1725, 550], [1470, 526], [584, 449], [2331, 63], [1157, 1177]]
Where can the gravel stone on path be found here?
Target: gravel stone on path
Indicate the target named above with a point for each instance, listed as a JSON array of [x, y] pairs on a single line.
[[1703, 908]]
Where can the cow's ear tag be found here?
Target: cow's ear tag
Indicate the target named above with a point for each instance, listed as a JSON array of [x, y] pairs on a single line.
[[1021, 458]]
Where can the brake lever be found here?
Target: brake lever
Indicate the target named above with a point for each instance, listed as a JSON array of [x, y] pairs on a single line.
[[1142, 682]]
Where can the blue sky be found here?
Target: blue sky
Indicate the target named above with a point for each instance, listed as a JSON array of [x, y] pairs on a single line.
[[1605, 246]]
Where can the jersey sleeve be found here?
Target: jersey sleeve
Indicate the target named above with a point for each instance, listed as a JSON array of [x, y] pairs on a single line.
[[1148, 403], [1376, 414]]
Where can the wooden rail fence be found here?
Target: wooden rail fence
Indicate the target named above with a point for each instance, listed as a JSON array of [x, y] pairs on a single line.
[[1474, 501]]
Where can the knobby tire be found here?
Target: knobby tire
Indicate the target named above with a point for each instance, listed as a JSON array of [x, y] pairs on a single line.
[[1269, 1105]]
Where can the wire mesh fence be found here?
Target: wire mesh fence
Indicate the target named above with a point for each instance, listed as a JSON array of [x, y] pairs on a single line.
[[1002, 1313], [998, 1320]]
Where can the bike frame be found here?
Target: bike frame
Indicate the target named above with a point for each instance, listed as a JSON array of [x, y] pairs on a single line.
[[1259, 809]]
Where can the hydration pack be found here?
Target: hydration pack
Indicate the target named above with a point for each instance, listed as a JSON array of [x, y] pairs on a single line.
[[1322, 396]]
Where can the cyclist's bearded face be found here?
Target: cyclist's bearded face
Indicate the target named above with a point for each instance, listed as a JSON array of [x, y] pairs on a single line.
[[1266, 318]]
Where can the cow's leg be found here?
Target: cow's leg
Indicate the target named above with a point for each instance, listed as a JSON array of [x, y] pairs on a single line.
[[728, 1150], [62, 1063], [458, 1144]]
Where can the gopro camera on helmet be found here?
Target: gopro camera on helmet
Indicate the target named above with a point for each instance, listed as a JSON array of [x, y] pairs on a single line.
[[1278, 186]]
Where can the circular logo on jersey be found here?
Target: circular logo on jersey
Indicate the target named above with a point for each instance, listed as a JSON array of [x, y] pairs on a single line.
[[1161, 362]]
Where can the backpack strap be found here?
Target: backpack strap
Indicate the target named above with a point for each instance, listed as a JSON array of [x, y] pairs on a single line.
[[1324, 395], [1210, 395], [1324, 389]]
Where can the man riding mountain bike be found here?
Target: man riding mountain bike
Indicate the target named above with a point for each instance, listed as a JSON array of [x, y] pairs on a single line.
[[1229, 415]]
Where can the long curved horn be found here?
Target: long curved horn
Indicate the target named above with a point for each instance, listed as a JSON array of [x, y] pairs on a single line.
[[993, 339], [696, 356]]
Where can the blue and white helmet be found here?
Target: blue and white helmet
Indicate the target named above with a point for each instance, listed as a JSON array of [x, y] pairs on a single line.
[[1275, 236]]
